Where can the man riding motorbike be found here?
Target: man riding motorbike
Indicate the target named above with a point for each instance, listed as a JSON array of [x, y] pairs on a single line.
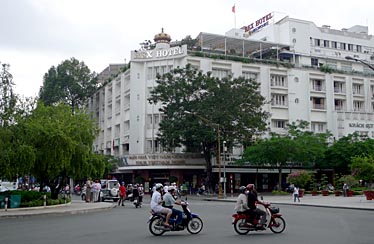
[[252, 200], [156, 204], [169, 200]]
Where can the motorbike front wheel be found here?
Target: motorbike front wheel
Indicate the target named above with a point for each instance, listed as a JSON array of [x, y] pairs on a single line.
[[238, 227], [155, 226], [277, 225], [195, 225]]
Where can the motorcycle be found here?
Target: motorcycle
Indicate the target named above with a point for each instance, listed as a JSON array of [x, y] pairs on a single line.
[[274, 221], [137, 202], [190, 221]]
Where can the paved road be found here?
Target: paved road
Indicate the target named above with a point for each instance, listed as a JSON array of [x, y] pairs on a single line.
[[78, 206], [128, 225]]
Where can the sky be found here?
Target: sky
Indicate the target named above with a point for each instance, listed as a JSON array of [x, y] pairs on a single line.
[[38, 34]]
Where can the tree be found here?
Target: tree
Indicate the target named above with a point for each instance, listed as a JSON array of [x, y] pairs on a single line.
[[8, 99], [275, 152], [71, 82], [231, 105], [363, 168], [339, 155], [62, 144], [279, 151]]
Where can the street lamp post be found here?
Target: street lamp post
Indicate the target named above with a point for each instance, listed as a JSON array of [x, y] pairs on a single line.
[[218, 148], [361, 61], [224, 169]]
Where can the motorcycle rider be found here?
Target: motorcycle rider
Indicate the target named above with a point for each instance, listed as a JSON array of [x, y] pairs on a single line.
[[241, 206], [252, 200], [156, 204], [169, 200]]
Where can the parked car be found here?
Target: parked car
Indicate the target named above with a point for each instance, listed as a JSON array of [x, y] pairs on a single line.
[[109, 190]]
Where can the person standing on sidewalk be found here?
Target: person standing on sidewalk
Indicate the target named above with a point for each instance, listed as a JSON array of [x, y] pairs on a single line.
[[296, 193], [88, 191], [122, 194], [345, 189]]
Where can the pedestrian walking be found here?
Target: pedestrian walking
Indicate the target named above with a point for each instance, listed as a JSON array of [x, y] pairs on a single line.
[[345, 189], [296, 194]]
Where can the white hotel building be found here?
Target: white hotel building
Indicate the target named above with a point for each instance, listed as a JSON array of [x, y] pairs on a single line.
[[302, 70]]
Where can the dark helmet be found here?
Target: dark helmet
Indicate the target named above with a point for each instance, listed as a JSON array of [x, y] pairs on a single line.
[[250, 186], [242, 189]]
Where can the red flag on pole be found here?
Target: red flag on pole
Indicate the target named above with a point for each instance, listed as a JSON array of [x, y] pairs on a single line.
[[233, 9]]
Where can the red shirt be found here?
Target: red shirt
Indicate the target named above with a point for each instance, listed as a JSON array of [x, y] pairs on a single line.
[[122, 190]]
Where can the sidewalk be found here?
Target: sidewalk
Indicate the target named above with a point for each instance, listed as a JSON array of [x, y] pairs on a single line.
[[331, 201], [76, 206]]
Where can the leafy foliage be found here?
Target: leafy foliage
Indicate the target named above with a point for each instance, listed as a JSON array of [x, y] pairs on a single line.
[[339, 155], [363, 168], [70, 83], [229, 107], [8, 98], [299, 178]]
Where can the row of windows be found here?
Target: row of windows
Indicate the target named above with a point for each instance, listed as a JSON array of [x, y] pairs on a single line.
[[315, 126], [334, 44]]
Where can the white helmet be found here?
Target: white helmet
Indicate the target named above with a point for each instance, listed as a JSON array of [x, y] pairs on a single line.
[[171, 188], [158, 186]]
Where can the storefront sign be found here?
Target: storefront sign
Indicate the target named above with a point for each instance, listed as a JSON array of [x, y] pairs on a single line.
[[258, 24], [361, 125]]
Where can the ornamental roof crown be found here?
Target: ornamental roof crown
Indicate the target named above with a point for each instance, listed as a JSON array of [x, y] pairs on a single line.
[[162, 37]]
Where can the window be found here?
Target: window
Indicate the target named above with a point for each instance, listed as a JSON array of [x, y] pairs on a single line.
[[339, 87], [249, 75], [318, 103], [339, 104], [314, 62], [220, 73], [334, 44], [357, 89], [318, 85], [278, 80], [359, 48], [281, 124], [326, 43], [358, 106], [318, 127], [342, 46], [350, 47], [279, 100], [317, 42]]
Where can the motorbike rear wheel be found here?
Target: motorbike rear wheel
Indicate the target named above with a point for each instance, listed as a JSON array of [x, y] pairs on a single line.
[[195, 225], [238, 229], [155, 226], [278, 225]]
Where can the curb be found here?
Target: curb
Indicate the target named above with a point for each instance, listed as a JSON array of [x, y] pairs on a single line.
[[299, 205]]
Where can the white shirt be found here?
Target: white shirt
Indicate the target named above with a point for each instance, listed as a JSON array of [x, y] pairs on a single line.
[[296, 191], [156, 201]]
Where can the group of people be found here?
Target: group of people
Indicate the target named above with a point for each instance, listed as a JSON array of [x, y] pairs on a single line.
[[137, 191], [163, 200], [246, 204], [92, 189]]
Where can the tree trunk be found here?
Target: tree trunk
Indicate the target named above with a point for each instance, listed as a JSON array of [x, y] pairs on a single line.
[[280, 177]]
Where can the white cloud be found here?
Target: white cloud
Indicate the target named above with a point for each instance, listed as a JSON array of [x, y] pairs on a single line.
[[38, 34]]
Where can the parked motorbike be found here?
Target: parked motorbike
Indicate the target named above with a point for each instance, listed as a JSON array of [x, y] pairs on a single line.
[[137, 202], [190, 221], [274, 221]]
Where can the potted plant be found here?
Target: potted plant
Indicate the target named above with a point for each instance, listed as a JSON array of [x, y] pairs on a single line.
[[324, 191], [338, 193], [369, 194], [314, 186], [299, 178]]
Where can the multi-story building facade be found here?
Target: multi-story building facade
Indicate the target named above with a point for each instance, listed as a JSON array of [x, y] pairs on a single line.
[[302, 70]]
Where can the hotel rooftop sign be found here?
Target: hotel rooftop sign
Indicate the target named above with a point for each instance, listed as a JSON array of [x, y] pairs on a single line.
[[179, 51]]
